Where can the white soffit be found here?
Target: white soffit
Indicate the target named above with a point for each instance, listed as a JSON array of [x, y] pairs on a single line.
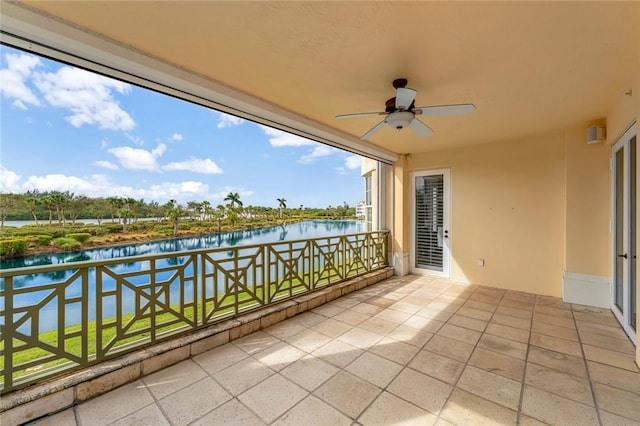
[[23, 28]]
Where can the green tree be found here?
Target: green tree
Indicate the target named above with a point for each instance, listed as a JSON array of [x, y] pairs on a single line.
[[282, 204], [174, 213], [8, 202], [48, 201], [76, 206], [115, 203], [32, 204], [218, 215], [234, 199], [206, 209]]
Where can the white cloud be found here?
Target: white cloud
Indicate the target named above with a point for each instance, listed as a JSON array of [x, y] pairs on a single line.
[[223, 192], [13, 79], [138, 159], [353, 162], [88, 96], [195, 165], [278, 138], [136, 140], [107, 165], [8, 180], [176, 137], [178, 190], [341, 170], [226, 120], [318, 152], [104, 143]]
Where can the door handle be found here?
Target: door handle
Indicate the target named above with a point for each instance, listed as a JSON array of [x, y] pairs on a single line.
[[623, 255]]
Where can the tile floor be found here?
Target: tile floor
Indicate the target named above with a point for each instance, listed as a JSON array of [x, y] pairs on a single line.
[[409, 350]]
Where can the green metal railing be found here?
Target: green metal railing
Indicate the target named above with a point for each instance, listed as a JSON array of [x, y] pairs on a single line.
[[59, 318]]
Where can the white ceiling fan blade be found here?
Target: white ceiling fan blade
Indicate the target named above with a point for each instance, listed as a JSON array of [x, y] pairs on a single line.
[[420, 128], [445, 109], [360, 114], [375, 128], [404, 98]]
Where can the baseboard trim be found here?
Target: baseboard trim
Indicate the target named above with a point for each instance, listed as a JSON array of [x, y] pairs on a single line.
[[590, 290]]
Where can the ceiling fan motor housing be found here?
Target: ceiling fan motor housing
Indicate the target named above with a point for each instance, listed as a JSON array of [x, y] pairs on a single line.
[[400, 119]]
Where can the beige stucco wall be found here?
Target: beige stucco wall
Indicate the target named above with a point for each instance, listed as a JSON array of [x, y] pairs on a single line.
[[588, 186], [508, 208]]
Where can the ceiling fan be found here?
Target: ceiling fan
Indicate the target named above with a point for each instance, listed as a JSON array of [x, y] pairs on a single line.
[[400, 111]]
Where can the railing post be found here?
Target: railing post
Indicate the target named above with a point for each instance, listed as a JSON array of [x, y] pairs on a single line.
[[8, 333]]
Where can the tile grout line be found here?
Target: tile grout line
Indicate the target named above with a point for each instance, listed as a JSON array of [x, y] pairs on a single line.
[[586, 367], [526, 362]]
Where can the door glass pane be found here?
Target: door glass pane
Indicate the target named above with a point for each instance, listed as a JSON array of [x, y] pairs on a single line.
[[619, 230], [632, 234], [429, 221]]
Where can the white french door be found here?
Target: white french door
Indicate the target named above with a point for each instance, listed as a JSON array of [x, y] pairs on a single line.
[[430, 223], [623, 161]]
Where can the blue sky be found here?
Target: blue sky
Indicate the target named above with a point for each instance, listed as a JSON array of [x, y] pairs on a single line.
[[63, 128]]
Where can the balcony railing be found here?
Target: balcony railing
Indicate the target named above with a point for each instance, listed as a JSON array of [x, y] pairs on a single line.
[[59, 318]]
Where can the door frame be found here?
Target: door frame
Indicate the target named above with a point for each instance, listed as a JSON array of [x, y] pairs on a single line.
[[622, 316], [446, 242]]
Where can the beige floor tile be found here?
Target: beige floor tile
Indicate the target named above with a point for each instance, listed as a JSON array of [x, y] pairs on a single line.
[[337, 353], [449, 299], [273, 397], [360, 338], [220, 358], [551, 301], [285, 329], [407, 307], [613, 358], [411, 336], [555, 331], [255, 342], [435, 314], [474, 313], [308, 340], [282, 354], [378, 325], [347, 393], [556, 344], [493, 387], [555, 410], [393, 315], [328, 310], [618, 401], [529, 421], [521, 323], [609, 419], [514, 312], [441, 307], [243, 375], [350, 317], [231, 413], [64, 418], [616, 377], [438, 366], [550, 319], [612, 343], [604, 330], [388, 409], [194, 401], [477, 304], [174, 378], [128, 398], [558, 361], [309, 372], [450, 348], [424, 391], [556, 382], [466, 322], [332, 328], [494, 362], [516, 304], [394, 350], [313, 412], [507, 332], [374, 369], [366, 308], [548, 310], [344, 302], [504, 346], [460, 333], [597, 319], [383, 302], [308, 319], [464, 408], [420, 323], [150, 415]]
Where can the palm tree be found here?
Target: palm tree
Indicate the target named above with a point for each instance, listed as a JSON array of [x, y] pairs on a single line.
[[48, 201], [282, 205], [32, 203], [234, 199], [125, 213], [206, 209]]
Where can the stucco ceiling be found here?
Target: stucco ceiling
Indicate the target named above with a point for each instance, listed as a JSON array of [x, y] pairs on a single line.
[[530, 68]]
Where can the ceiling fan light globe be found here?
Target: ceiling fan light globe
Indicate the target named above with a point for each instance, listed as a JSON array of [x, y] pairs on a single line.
[[400, 119]]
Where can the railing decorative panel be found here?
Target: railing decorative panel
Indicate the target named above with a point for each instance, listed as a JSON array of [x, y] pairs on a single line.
[[59, 318]]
